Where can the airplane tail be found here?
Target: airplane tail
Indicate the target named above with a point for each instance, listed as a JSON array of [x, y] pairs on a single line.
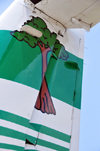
[[40, 90]]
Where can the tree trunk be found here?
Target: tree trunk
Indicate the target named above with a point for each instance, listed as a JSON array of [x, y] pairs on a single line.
[[44, 101]]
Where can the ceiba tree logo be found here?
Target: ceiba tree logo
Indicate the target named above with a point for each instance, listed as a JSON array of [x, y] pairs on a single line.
[[44, 102]]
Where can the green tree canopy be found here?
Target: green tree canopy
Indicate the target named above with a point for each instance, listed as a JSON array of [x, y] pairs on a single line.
[[48, 38]]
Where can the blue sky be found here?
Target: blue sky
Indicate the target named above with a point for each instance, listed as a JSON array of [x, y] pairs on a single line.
[[4, 4], [90, 121]]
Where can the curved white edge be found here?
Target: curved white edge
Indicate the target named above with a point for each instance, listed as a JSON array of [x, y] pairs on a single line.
[[14, 17]]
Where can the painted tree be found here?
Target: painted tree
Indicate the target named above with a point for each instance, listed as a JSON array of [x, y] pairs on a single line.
[[45, 43]]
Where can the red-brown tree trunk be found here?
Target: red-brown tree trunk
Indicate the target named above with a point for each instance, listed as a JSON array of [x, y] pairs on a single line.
[[44, 101]]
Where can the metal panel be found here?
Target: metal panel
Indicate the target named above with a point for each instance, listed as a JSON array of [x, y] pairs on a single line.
[[63, 10]]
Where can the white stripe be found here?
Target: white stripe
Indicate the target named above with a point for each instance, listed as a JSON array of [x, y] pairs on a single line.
[[12, 141], [18, 128], [33, 133], [38, 147], [54, 140], [17, 98], [6, 149]]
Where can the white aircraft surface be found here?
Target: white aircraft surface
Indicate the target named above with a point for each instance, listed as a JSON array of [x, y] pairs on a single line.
[[41, 66]]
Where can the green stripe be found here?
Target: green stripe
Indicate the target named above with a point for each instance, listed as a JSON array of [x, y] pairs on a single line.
[[25, 122], [18, 135], [11, 147], [15, 134], [51, 145], [62, 81], [52, 132]]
